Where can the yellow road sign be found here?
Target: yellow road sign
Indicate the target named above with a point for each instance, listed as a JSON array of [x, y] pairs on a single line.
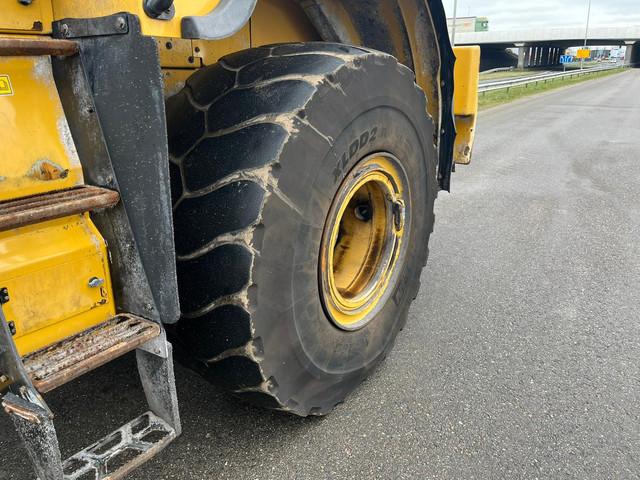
[[583, 53]]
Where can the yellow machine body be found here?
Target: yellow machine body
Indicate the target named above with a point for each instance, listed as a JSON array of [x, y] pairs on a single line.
[[37, 17], [47, 267], [38, 154], [273, 21], [465, 101]]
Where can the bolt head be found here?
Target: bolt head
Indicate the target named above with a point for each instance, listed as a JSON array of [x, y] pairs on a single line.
[[121, 23], [64, 29]]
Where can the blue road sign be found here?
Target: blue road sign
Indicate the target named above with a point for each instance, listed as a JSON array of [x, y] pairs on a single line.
[[566, 59]]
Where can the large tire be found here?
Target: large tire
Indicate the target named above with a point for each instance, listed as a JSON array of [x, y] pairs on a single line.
[[260, 144]]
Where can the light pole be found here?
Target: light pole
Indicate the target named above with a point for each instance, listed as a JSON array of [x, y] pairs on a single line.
[[453, 28], [586, 34]]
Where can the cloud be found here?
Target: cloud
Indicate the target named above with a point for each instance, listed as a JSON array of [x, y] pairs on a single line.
[[514, 14]]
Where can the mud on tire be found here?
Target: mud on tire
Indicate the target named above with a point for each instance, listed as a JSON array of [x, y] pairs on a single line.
[[259, 145]]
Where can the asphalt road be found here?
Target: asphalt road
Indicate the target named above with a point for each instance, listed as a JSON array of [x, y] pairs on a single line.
[[521, 358]]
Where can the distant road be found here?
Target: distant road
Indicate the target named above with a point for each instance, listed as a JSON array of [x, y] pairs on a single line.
[[521, 358]]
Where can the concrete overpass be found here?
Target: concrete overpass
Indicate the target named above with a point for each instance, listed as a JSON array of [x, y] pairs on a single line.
[[543, 46]]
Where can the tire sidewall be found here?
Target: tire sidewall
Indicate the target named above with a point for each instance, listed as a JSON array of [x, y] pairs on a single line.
[[303, 350]]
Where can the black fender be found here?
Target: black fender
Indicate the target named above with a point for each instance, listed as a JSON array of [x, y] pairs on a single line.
[[413, 31]]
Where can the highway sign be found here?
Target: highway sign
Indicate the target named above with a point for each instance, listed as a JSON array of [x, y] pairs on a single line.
[[566, 58], [583, 53]]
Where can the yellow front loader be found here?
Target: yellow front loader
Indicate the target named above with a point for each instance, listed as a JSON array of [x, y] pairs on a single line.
[[253, 180]]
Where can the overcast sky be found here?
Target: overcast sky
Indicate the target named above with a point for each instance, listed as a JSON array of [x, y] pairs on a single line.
[[513, 14]]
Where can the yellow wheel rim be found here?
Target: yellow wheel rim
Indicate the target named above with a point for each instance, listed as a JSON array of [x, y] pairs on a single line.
[[362, 241]]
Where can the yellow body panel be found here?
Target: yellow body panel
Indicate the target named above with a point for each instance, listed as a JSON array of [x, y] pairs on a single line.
[[47, 268], [273, 21], [278, 21], [35, 18], [210, 51], [179, 58], [38, 154], [467, 76], [465, 103], [157, 28]]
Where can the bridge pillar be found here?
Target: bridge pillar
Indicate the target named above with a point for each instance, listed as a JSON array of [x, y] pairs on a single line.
[[632, 56], [521, 55]]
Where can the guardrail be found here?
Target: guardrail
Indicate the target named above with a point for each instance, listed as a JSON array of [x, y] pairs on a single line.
[[517, 82], [499, 69], [521, 77]]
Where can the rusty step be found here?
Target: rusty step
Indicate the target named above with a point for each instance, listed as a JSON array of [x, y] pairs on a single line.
[[60, 363], [16, 47], [48, 206]]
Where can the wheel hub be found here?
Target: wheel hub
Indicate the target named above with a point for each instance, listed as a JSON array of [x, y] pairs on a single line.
[[362, 240]]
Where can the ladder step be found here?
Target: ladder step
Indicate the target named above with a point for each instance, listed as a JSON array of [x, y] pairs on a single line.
[[48, 206], [15, 47], [117, 454], [60, 363]]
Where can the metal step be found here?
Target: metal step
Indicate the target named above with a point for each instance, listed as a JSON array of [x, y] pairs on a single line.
[[15, 47], [58, 364], [121, 452], [117, 454], [48, 206]]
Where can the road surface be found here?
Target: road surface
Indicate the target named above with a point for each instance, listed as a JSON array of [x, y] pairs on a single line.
[[521, 358]]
